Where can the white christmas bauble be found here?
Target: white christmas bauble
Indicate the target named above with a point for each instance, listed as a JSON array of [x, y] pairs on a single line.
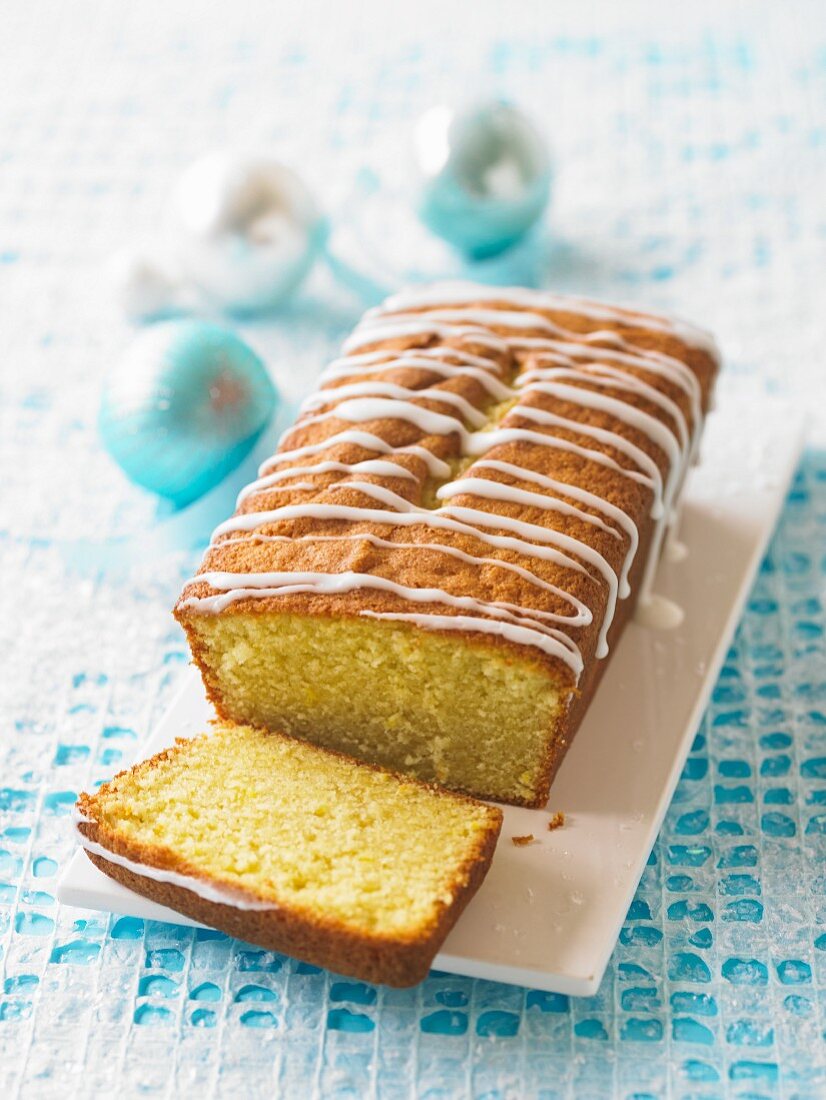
[[244, 230]]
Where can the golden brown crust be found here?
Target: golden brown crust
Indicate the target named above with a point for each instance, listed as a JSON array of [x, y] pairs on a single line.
[[412, 557], [313, 936], [589, 682], [384, 962]]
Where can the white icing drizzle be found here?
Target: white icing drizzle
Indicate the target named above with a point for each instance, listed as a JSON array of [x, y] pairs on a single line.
[[677, 452], [457, 293], [568, 355], [369, 466], [484, 441], [644, 422], [482, 626], [522, 620], [248, 521], [582, 614], [441, 351], [562, 356], [419, 325], [674, 550], [615, 380], [475, 517], [342, 368], [362, 410], [613, 439], [221, 895], [389, 389], [436, 467], [659, 612], [368, 440], [496, 490], [377, 492], [622, 519], [483, 318]]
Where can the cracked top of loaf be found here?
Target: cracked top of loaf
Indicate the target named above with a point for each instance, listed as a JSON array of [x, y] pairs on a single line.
[[493, 461]]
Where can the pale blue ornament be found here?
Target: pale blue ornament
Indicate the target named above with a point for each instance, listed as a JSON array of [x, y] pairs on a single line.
[[184, 406], [485, 176]]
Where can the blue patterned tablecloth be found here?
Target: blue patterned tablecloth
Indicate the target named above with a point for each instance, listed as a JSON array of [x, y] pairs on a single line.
[[691, 172]]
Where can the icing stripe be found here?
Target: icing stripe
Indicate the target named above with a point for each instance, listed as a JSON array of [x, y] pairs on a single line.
[[248, 521], [475, 517], [369, 466], [222, 895], [363, 410], [362, 337], [603, 435], [622, 519], [436, 467], [582, 615], [496, 490], [607, 378], [485, 376], [388, 389], [560, 357], [262, 585], [483, 318], [652, 361], [483, 626], [642, 421], [457, 293]]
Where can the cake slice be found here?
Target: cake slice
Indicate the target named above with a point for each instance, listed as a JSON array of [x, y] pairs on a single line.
[[431, 570], [294, 848]]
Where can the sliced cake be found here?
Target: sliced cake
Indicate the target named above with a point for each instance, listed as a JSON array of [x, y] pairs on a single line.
[[294, 848], [431, 570]]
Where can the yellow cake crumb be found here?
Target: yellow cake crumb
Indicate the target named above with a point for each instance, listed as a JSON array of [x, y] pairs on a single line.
[[464, 716], [286, 822]]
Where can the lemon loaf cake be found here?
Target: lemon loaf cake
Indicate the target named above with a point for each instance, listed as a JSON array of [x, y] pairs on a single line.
[[294, 848], [431, 570]]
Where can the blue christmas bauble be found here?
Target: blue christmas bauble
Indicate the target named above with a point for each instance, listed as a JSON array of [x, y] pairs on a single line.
[[184, 406], [485, 176]]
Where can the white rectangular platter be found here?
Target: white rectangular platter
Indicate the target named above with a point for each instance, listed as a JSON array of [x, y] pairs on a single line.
[[548, 914]]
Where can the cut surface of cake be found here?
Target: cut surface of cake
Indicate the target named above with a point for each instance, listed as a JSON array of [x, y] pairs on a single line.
[[294, 848], [431, 570]]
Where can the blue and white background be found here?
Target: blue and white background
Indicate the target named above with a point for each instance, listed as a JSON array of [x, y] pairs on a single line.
[[690, 151]]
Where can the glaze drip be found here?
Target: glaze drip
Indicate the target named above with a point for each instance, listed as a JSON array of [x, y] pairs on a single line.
[[521, 360]]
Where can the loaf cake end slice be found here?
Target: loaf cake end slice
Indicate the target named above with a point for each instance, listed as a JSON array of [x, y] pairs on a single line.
[[295, 849], [431, 571], [473, 717]]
